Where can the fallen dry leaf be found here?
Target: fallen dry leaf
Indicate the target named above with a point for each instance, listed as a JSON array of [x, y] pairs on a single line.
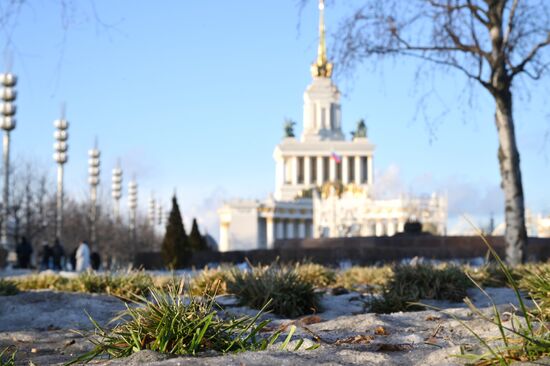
[[432, 318], [312, 319], [358, 339], [380, 330]]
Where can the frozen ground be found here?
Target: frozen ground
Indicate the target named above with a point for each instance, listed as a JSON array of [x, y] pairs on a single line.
[[39, 324]]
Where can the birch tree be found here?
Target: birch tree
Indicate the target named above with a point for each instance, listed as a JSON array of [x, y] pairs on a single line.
[[491, 42]]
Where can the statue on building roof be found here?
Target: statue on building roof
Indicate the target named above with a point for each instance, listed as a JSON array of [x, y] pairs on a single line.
[[360, 130], [289, 128]]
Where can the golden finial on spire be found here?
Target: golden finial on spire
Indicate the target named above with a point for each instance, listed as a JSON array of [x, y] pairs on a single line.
[[321, 68]]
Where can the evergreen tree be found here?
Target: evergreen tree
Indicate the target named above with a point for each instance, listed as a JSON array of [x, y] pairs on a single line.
[[175, 246], [197, 242]]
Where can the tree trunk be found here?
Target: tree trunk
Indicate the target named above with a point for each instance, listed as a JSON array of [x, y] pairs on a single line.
[[508, 156]]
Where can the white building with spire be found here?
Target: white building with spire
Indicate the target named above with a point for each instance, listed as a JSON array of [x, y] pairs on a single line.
[[324, 183]]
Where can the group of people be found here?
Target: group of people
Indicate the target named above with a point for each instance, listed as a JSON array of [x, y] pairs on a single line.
[[54, 257]]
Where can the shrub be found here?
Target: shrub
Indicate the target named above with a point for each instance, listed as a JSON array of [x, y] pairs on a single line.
[[412, 283], [178, 325], [8, 288], [316, 274], [355, 277], [290, 296]]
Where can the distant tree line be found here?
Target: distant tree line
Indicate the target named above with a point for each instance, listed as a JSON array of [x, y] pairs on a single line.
[[32, 215]]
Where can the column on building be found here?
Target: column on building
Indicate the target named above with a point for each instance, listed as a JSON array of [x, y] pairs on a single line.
[[345, 170], [320, 170], [280, 172], [358, 170], [390, 230], [294, 164], [307, 170], [224, 237], [370, 175], [270, 232], [379, 229], [400, 226]]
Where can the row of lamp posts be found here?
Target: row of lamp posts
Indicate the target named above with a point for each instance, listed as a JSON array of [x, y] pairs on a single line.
[[60, 156]]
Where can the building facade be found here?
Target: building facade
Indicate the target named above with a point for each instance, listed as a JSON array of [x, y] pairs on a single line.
[[323, 182]]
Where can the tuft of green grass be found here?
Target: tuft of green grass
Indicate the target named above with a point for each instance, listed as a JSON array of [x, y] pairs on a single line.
[[524, 337], [356, 277], [290, 295], [171, 322], [123, 285], [536, 282], [318, 275], [8, 288], [409, 284], [7, 356]]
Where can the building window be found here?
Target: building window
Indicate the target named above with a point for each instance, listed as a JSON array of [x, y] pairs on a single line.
[[351, 168], [326, 169], [300, 167], [364, 169], [323, 117]]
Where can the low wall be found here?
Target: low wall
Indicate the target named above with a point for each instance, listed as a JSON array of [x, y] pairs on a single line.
[[359, 250]]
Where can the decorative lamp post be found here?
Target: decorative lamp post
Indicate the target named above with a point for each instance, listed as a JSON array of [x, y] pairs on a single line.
[[160, 214], [93, 179], [132, 204], [117, 191], [60, 156], [8, 123], [152, 211]]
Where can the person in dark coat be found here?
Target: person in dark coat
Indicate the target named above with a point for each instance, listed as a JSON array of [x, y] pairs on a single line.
[[24, 252], [73, 258], [45, 256], [95, 260], [58, 255]]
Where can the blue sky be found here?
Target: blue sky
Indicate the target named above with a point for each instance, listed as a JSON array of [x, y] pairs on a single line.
[[192, 96]]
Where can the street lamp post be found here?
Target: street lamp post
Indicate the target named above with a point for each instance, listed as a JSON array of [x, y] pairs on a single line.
[[8, 124], [132, 204], [93, 179], [116, 191], [60, 156], [160, 213]]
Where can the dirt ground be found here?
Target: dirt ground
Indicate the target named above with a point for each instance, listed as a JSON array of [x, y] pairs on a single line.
[[40, 324]]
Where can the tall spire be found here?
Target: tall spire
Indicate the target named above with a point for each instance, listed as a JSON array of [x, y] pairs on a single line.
[[321, 68]]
